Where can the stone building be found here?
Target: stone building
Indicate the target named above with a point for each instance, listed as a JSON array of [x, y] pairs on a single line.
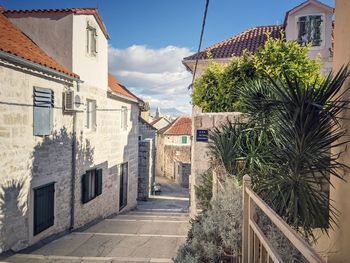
[[174, 146], [310, 22], [68, 141]]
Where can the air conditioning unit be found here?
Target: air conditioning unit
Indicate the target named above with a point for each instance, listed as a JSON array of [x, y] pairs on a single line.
[[73, 101]]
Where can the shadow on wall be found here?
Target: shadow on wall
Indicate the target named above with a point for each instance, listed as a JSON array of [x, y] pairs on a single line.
[[49, 161]]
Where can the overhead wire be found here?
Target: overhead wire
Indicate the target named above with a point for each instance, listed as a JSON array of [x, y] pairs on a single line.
[[200, 41]]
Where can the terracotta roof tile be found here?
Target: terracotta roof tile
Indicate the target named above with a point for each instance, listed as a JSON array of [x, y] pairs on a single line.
[[13, 41], [250, 40], [181, 126], [78, 11], [117, 87]]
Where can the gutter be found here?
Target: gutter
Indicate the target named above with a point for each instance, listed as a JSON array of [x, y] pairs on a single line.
[[74, 152], [38, 67], [123, 97]]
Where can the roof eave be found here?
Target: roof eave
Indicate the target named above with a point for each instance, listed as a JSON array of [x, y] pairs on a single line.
[[119, 96], [36, 66]]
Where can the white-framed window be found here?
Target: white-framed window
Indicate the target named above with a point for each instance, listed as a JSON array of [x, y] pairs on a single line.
[[91, 40], [310, 30], [91, 115], [124, 118]]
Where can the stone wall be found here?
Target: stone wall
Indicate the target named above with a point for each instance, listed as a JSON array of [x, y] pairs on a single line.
[[200, 152], [31, 161], [182, 174], [146, 169]]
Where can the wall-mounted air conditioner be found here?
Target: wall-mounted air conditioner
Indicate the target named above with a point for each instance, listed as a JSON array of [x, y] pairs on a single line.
[[73, 101]]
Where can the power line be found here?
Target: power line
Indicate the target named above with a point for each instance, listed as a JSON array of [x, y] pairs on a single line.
[[200, 40]]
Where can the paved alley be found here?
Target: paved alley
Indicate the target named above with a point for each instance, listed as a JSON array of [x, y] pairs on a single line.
[[151, 233]]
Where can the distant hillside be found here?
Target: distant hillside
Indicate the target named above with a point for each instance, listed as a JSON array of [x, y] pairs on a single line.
[[168, 111]]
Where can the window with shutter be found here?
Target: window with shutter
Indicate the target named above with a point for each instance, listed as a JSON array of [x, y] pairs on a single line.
[[310, 30], [44, 201], [91, 185], [184, 139], [124, 118], [43, 101], [91, 115], [91, 40]]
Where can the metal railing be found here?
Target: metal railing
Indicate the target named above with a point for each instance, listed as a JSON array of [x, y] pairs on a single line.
[[256, 247]]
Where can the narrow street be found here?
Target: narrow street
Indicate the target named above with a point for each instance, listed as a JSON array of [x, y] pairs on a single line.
[[151, 233]]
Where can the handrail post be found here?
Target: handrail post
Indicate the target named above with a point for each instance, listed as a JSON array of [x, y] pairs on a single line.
[[247, 182]]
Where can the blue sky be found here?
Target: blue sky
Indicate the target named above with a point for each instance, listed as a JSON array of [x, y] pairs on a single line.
[[150, 37]]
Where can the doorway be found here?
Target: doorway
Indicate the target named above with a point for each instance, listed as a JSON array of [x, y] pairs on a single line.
[[123, 185]]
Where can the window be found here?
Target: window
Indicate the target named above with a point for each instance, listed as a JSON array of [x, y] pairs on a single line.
[[124, 118], [184, 139], [43, 101], [91, 185], [44, 201], [91, 114], [140, 137], [310, 30], [91, 40]]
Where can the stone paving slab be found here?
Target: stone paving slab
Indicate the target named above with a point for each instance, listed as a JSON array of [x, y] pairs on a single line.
[[139, 227]]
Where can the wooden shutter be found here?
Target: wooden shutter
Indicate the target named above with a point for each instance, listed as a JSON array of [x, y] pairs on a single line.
[[44, 201], [184, 139], [85, 188], [98, 182], [43, 101]]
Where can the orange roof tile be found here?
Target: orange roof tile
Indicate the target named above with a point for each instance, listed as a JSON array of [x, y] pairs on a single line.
[[116, 87], [78, 11], [181, 126], [250, 40], [13, 41]]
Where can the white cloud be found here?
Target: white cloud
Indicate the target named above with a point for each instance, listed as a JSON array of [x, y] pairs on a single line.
[[156, 75]]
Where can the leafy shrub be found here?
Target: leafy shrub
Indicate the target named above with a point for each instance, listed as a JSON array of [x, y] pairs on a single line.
[[216, 233], [204, 192]]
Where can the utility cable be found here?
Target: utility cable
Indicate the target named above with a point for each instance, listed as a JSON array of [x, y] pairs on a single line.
[[200, 41]]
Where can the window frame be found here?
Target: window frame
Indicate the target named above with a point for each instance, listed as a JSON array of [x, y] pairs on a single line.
[[91, 34], [124, 118], [35, 207], [322, 29], [91, 115], [93, 183], [43, 100]]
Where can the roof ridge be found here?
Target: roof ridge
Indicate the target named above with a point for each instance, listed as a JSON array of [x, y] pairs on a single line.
[[76, 10], [235, 39]]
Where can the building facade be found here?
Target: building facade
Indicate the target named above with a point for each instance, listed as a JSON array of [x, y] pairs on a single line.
[[174, 146], [69, 141]]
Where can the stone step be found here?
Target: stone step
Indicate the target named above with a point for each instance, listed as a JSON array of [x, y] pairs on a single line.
[[35, 258], [112, 245], [139, 227]]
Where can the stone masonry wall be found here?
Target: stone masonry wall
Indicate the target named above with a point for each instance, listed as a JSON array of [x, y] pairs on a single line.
[[200, 152], [146, 169], [107, 147], [30, 161]]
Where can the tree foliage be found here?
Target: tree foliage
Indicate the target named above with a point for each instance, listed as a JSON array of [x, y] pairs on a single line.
[[286, 146], [217, 90]]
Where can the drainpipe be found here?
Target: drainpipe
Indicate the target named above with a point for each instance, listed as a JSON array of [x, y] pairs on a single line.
[[74, 154]]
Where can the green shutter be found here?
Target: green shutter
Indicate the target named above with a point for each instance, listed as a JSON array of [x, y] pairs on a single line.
[[98, 182], [84, 188], [44, 201], [184, 139]]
